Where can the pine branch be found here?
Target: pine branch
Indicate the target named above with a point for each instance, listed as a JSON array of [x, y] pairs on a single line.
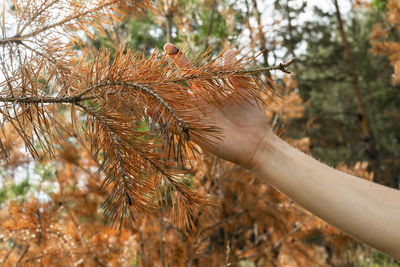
[[129, 183], [34, 17], [14, 244], [19, 38], [44, 100], [22, 255], [231, 73], [109, 205], [114, 97], [80, 97]]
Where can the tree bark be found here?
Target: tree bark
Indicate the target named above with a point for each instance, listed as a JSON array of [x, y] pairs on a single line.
[[366, 130], [292, 46], [211, 24], [168, 24], [162, 229], [260, 34]]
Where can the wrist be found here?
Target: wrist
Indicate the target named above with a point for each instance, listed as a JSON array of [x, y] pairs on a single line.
[[262, 155]]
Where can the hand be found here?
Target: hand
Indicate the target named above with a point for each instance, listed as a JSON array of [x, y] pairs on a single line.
[[366, 211], [243, 126]]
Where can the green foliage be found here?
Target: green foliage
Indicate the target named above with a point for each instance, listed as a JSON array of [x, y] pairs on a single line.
[[43, 183], [332, 119], [144, 35], [14, 190], [20, 189], [380, 5], [379, 260], [45, 171]]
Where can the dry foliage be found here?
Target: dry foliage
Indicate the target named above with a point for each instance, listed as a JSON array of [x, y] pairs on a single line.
[[132, 117], [260, 224], [360, 169], [385, 40], [361, 4], [138, 113]]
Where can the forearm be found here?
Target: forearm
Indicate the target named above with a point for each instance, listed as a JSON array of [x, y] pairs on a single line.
[[366, 211]]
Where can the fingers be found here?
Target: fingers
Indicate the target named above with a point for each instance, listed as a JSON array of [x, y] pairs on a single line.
[[184, 64], [181, 61], [230, 58], [179, 58]]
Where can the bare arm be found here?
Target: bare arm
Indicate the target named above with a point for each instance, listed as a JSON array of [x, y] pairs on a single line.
[[364, 210], [367, 211]]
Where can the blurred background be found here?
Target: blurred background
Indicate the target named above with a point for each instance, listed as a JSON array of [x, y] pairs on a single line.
[[341, 106]]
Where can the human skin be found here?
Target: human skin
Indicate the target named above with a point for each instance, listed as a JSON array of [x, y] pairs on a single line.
[[366, 211]]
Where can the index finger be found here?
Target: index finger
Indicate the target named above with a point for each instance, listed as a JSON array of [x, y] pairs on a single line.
[[181, 61], [178, 57]]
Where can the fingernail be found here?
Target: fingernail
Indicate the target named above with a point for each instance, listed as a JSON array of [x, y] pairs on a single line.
[[171, 49]]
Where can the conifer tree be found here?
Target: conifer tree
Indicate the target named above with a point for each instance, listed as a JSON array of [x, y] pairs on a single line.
[[79, 108], [42, 75]]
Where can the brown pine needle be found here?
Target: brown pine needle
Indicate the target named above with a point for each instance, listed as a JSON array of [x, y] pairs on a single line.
[[113, 99]]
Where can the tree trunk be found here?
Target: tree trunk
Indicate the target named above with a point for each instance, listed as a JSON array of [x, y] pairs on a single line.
[[292, 46], [367, 134], [260, 34], [211, 23], [168, 24]]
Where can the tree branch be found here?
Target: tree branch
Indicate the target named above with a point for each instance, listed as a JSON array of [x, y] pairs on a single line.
[[22, 255], [80, 97], [217, 74], [224, 220], [19, 38]]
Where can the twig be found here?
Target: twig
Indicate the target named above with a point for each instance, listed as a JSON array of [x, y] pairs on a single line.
[[210, 23], [52, 60], [9, 252], [40, 226], [80, 97], [22, 255], [292, 231], [281, 66], [217, 74], [32, 19], [145, 261], [223, 221], [228, 252], [17, 38], [97, 260], [120, 158], [162, 233], [44, 100]]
